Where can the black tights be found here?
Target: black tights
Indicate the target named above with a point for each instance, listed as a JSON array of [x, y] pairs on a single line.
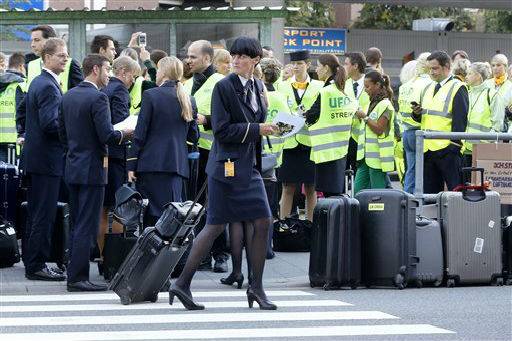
[[240, 235], [256, 249]]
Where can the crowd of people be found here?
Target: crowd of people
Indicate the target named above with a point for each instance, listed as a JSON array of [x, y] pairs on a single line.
[[220, 105]]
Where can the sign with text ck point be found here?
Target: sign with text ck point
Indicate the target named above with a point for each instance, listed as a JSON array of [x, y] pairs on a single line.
[[316, 40]]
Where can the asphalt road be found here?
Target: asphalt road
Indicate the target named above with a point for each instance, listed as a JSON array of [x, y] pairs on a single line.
[[45, 311]]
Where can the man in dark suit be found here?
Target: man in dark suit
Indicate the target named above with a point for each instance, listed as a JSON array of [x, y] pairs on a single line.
[[85, 129], [44, 163]]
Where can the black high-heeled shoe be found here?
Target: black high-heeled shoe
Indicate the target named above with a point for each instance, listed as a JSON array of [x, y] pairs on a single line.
[[232, 279], [264, 303], [186, 300]]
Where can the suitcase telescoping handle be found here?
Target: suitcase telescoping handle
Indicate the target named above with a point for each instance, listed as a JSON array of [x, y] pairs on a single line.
[[349, 182], [474, 193], [196, 199]]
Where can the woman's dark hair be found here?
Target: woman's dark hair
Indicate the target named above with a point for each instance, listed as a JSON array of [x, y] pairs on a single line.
[[383, 81], [337, 70], [245, 45]]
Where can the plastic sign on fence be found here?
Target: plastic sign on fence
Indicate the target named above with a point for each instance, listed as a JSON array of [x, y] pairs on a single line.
[[316, 40]]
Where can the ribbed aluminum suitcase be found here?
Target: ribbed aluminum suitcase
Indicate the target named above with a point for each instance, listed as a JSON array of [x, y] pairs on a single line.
[[472, 235]]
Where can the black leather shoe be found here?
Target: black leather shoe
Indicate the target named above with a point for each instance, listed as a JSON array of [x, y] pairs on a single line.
[[220, 266], [232, 278], [85, 286], [45, 274], [57, 270], [261, 299], [185, 299]]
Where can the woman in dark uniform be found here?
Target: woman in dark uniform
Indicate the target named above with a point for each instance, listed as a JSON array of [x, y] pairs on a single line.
[[329, 121], [236, 192], [158, 157]]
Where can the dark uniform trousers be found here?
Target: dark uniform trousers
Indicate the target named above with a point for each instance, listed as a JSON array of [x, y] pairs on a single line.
[[442, 166], [85, 203], [42, 197]]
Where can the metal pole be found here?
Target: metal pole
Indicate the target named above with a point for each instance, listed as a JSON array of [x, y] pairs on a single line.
[[421, 135]]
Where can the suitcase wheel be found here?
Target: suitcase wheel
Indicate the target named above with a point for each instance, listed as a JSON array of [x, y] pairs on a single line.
[[125, 300], [328, 286], [399, 281], [419, 284], [450, 283], [311, 284], [153, 298], [353, 285], [509, 281], [437, 283]]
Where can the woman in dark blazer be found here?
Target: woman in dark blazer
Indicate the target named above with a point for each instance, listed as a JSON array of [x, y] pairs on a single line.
[[158, 157], [236, 193]]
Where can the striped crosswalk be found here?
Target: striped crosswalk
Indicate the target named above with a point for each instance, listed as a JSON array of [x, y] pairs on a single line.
[[101, 317]]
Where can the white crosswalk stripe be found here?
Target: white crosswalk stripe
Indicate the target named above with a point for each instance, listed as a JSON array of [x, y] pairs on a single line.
[[96, 317]]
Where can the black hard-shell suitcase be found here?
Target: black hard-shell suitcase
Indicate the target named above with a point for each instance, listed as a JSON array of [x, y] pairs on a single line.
[[335, 258], [59, 252], [9, 185], [9, 252], [429, 247], [388, 237], [153, 258]]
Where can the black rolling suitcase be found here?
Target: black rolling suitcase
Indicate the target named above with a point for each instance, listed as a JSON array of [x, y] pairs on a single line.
[[9, 252], [335, 258], [388, 237], [59, 252], [153, 258], [9, 185]]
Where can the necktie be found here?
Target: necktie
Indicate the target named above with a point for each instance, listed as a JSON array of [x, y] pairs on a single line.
[[436, 89], [249, 98], [355, 86]]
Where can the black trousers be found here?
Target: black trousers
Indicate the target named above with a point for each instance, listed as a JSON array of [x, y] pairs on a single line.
[[220, 245], [352, 155], [42, 196], [85, 203], [442, 166]]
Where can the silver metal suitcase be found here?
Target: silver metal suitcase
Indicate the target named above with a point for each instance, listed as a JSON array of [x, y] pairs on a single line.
[[472, 235]]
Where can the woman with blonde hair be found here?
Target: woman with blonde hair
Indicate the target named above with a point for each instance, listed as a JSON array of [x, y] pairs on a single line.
[[222, 61], [158, 157]]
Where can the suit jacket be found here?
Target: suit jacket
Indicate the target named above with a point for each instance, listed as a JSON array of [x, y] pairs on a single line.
[[119, 99], [85, 128], [43, 151], [161, 135], [234, 137]]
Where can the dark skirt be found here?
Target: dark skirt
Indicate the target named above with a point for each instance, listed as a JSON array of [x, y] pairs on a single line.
[[330, 176], [116, 175], [229, 203], [159, 188], [296, 166]]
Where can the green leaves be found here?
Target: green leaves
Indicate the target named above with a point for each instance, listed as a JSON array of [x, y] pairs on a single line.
[[311, 14]]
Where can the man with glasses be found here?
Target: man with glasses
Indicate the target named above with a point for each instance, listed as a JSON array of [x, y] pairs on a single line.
[[44, 162]]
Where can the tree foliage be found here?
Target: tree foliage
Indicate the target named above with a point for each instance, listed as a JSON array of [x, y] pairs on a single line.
[[498, 21], [311, 14], [398, 17]]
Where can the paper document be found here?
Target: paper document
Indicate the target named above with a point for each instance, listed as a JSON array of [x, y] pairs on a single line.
[[129, 123], [288, 124]]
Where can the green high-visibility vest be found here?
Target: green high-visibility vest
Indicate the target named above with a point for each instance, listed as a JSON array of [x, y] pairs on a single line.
[[412, 91], [203, 97], [276, 103], [136, 96], [8, 132], [308, 99], [378, 150], [437, 114], [330, 135], [364, 103], [188, 85], [479, 115], [34, 70]]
